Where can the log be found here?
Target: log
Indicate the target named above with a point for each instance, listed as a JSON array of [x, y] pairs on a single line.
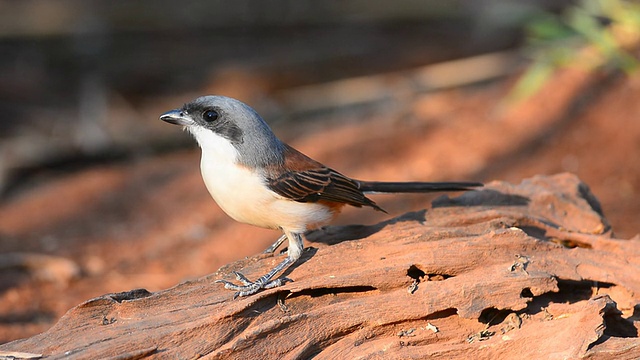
[[509, 271]]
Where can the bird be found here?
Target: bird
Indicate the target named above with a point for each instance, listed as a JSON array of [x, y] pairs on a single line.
[[259, 180]]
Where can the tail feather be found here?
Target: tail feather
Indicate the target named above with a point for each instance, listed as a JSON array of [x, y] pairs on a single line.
[[414, 187]]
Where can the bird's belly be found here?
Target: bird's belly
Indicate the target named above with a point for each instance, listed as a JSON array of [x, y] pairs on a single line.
[[241, 193]]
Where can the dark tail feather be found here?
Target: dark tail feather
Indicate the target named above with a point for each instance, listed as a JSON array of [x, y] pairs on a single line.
[[415, 187]]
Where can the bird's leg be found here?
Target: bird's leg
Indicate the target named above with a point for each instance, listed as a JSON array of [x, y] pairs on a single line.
[[271, 249], [266, 281]]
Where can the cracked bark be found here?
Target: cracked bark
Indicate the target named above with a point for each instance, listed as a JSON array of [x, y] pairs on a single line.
[[530, 270]]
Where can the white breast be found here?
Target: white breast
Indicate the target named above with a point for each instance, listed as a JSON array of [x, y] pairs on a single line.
[[242, 194]]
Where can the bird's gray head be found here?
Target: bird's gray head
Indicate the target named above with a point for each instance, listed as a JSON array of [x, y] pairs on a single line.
[[234, 121]]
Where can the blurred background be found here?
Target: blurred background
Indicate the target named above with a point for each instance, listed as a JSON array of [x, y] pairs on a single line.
[[97, 195]]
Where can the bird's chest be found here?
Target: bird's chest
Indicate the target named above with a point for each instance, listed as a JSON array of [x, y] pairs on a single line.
[[239, 191]]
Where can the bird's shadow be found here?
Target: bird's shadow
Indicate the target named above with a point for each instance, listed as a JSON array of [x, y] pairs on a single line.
[[331, 235], [484, 197]]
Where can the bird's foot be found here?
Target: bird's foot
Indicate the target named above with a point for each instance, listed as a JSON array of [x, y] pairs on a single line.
[[251, 287]]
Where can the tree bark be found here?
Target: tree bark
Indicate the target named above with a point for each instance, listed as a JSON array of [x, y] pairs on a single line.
[[509, 271]]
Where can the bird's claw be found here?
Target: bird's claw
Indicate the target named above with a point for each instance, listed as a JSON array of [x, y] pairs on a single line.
[[249, 287]]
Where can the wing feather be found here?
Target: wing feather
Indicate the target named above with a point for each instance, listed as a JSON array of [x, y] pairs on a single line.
[[303, 179], [320, 184]]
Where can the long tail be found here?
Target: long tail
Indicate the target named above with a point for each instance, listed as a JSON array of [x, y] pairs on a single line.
[[414, 187]]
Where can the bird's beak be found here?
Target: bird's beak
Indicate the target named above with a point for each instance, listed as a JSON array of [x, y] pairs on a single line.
[[177, 117]]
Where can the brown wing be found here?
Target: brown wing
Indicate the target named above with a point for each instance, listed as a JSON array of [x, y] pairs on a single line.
[[305, 180]]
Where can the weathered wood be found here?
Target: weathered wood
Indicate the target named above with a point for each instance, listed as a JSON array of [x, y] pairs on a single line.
[[510, 271]]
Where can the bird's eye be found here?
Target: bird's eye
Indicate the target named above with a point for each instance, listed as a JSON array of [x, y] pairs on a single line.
[[210, 115]]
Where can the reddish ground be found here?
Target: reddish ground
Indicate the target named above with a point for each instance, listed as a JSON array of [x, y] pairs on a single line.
[[150, 223]]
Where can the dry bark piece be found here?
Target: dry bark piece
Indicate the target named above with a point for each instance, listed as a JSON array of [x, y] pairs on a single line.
[[494, 271], [18, 355]]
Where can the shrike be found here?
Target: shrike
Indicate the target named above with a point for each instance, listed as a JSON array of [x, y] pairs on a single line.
[[259, 180]]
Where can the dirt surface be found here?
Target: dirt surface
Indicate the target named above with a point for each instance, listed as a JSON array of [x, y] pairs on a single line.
[[149, 223]]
